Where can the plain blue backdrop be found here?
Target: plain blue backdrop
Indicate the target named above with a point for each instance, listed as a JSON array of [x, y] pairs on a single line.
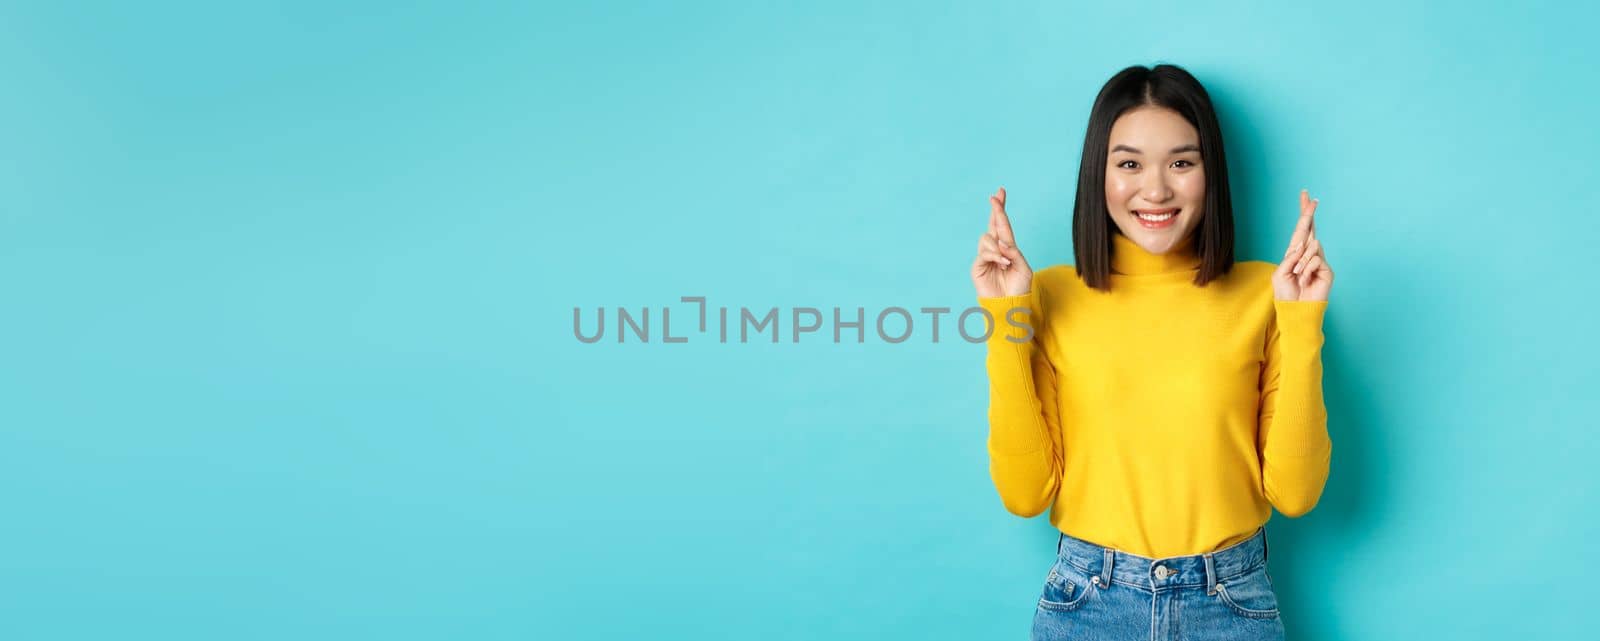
[[288, 291]]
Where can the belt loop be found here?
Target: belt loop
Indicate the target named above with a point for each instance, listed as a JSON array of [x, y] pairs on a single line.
[[1263, 543], [1061, 540], [1105, 568], [1211, 576]]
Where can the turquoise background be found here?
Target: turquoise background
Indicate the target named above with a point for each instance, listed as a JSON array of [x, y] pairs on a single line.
[[288, 292]]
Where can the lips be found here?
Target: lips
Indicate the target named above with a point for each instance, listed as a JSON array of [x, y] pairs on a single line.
[[1156, 218]]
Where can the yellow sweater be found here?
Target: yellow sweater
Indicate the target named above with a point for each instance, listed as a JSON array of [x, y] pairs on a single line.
[[1158, 418]]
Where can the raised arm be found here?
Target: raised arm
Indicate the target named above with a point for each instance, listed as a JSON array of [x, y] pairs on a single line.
[[1293, 436], [1024, 435]]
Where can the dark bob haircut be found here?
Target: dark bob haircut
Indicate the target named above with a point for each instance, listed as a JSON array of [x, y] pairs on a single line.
[[1162, 86]]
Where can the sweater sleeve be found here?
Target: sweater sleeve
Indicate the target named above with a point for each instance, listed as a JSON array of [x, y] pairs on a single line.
[[1293, 437], [1024, 435]]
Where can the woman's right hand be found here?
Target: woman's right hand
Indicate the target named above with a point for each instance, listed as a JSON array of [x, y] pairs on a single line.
[[1000, 269]]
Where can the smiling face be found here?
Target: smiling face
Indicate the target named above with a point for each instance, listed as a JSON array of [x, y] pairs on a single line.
[[1155, 182]]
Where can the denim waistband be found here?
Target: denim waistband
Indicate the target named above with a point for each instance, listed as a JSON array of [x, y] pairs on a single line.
[[1106, 564]]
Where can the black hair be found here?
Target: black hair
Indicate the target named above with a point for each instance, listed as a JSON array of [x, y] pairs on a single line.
[[1173, 88]]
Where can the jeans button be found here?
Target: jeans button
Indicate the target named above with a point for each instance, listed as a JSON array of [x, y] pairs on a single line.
[[1161, 572]]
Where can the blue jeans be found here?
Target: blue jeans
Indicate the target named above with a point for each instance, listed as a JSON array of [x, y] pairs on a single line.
[[1096, 593]]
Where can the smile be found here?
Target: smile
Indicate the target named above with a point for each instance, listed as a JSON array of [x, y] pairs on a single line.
[[1156, 218]]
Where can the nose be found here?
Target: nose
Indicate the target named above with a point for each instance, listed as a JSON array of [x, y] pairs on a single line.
[[1154, 187]]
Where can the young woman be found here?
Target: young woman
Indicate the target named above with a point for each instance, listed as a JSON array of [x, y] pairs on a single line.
[[1161, 398]]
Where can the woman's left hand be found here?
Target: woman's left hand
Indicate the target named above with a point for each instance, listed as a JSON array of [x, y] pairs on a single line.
[[1304, 274]]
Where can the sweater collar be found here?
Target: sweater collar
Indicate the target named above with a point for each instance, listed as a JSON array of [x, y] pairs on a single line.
[[1128, 258]]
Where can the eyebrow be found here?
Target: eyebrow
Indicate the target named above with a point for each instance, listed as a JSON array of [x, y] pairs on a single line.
[[1176, 150]]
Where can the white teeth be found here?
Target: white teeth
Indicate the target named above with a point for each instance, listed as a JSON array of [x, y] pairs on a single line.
[[1157, 219]]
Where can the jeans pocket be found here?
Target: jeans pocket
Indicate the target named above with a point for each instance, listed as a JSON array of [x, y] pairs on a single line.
[[1064, 589], [1250, 595]]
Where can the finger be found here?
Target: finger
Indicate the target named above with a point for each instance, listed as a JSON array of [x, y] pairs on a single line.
[[1311, 232], [1003, 224], [987, 241], [1309, 274], [994, 257], [994, 215], [1291, 259], [1312, 249], [997, 209], [1317, 269], [981, 267], [1302, 227]]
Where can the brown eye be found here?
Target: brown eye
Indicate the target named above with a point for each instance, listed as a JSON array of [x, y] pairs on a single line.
[[1125, 164], [1182, 163]]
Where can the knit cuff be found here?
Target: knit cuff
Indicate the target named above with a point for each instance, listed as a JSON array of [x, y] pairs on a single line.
[[1014, 320], [1301, 320]]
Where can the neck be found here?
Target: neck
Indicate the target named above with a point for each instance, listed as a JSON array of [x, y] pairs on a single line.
[[1128, 258]]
